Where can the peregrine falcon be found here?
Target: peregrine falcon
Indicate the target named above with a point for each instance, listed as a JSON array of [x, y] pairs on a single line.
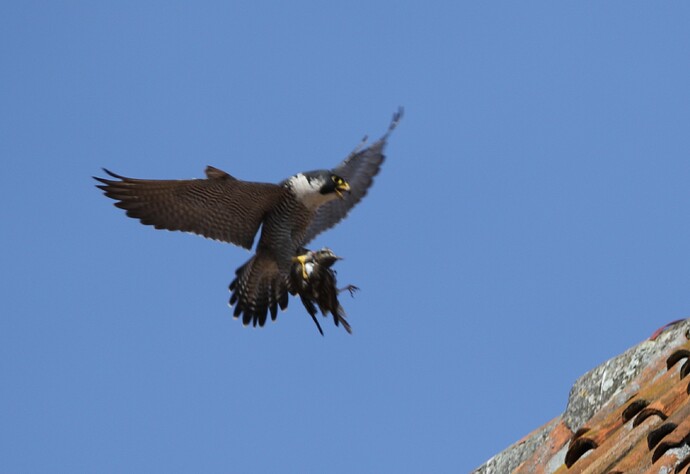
[[313, 279], [222, 207]]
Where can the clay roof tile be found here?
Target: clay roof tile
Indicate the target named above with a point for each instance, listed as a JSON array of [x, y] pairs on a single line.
[[640, 423]]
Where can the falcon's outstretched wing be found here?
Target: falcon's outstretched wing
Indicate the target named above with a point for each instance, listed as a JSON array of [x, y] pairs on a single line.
[[219, 207], [358, 170]]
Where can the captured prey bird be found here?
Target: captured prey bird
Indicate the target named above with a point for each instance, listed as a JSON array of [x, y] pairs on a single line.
[[313, 279], [222, 207]]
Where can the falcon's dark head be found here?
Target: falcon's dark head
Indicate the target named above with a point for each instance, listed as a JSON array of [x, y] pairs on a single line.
[[315, 188], [335, 184]]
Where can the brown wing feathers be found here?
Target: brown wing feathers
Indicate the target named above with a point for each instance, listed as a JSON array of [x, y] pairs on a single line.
[[219, 207]]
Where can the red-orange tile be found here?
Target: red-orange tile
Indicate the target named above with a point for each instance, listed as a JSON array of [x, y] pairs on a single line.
[[614, 449]]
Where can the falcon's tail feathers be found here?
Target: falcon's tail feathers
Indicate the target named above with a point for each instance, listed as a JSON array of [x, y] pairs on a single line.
[[257, 290]]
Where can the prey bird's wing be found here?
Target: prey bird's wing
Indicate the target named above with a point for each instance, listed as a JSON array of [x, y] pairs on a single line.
[[358, 170], [219, 207]]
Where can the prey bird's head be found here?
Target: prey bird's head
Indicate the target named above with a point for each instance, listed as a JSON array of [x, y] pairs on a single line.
[[325, 257]]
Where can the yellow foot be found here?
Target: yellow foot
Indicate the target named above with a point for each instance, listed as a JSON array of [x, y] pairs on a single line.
[[302, 259]]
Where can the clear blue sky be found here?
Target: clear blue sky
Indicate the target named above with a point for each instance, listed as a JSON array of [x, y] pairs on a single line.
[[531, 221]]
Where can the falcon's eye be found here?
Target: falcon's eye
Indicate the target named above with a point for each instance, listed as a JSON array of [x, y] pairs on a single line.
[[337, 179]]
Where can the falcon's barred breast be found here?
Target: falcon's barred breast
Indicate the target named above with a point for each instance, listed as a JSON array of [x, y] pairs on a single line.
[[224, 208]]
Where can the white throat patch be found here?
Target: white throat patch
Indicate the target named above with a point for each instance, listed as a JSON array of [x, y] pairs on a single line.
[[307, 190]]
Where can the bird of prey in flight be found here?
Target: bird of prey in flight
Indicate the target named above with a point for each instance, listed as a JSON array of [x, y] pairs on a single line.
[[290, 214]]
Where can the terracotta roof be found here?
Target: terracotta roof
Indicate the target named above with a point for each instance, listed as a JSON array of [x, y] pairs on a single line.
[[629, 415]]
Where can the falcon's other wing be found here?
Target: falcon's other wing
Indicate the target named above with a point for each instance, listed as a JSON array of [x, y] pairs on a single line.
[[358, 170], [219, 207]]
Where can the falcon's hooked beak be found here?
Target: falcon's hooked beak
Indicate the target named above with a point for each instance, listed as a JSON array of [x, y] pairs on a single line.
[[341, 187]]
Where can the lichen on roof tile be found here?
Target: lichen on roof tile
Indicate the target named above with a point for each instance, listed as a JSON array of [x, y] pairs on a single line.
[[598, 386]]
